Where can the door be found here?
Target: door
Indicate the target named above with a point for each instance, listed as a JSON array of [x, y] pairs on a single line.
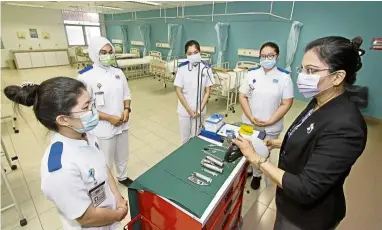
[[50, 59], [62, 58], [37, 59], [23, 60]]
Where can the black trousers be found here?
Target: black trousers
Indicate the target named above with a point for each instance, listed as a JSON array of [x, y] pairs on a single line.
[[282, 223]]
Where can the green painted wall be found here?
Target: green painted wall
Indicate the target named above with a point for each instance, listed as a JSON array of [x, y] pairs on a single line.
[[348, 19]]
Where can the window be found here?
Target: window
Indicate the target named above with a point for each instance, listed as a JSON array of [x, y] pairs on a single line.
[[80, 27]]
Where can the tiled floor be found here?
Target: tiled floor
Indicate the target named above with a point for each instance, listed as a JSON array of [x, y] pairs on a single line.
[[153, 135]]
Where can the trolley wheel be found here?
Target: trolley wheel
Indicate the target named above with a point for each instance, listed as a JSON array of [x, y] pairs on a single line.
[[216, 99], [23, 222], [14, 167], [233, 111], [17, 131], [226, 115], [15, 119]]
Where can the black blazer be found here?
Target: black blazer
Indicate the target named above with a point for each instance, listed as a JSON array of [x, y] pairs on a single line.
[[316, 159]]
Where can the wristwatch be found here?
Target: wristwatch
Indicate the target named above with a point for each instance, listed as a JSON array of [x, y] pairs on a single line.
[[260, 161], [128, 109]]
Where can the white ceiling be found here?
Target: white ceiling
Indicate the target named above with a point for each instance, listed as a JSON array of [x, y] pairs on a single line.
[[94, 6]]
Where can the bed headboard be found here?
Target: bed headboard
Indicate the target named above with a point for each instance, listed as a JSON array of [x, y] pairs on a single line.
[[155, 54], [135, 51], [206, 57], [246, 64]]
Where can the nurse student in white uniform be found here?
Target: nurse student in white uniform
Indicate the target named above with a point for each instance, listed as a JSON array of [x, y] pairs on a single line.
[[74, 173], [193, 83], [266, 95], [108, 86]]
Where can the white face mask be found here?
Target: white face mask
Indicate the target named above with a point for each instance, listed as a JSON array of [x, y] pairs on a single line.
[[308, 84], [268, 63], [194, 58]]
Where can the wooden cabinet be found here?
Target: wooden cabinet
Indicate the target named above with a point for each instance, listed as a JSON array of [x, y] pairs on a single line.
[[35, 59], [50, 59], [23, 60], [62, 58]]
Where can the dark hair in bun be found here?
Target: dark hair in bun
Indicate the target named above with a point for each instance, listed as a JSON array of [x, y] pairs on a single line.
[[25, 95], [340, 53], [54, 97]]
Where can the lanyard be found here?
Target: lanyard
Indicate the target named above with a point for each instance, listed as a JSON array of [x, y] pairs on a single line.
[[295, 127]]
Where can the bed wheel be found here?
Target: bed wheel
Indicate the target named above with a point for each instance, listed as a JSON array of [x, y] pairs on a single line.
[[23, 222], [233, 111], [15, 119], [216, 99], [226, 115]]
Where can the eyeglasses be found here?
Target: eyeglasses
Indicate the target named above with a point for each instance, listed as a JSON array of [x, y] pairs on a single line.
[[268, 56], [309, 70], [91, 108]]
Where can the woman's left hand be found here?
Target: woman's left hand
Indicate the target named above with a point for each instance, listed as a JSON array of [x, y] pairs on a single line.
[[246, 148], [265, 123], [120, 201], [125, 116]]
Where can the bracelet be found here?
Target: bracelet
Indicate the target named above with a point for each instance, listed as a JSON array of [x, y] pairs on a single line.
[[260, 161]]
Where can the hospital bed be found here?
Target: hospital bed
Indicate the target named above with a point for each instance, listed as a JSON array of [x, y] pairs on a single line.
[[134, 53], [138, 67], [82, 57], [228, 81], [166, 69]]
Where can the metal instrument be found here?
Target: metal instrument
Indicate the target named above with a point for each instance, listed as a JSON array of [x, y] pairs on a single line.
[[197, 181], [209, 172], [212, 167], [212, 155], [215, 161], [201, 176], [214, 150]]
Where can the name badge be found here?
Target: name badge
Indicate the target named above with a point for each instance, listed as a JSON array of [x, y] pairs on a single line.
[[275, 81], [99, 100], [98, 194]]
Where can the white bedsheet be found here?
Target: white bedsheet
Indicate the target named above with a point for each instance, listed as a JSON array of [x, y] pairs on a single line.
[[229, 80], [132, 62]]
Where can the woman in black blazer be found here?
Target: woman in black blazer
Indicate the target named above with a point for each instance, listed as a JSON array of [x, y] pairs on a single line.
[[322, 144]]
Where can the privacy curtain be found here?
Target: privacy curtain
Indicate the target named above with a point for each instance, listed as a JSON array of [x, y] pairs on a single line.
[[144, 30], [125, 38], [292, 43], [222, 34], [174, 39]]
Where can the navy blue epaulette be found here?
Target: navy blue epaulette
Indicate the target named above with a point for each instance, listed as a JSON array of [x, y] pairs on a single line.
[[206, 63], [183, 64], [55, 154], [283, 70], [254, 68], [86, 69]]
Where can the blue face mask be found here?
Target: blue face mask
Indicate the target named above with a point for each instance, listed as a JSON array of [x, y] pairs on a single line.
[[268, 63], [89, 121]]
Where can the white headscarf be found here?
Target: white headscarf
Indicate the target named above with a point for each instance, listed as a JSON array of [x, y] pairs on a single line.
[[95, 46]]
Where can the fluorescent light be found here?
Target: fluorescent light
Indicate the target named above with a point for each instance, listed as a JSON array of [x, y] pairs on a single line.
[[110, 8], [147, 3], [21, 4]]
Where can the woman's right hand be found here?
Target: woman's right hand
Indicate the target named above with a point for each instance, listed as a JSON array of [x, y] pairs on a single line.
[[115, 120], [273, 144], [256, 122], [122, 211], [193, 114], [269, 144]]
